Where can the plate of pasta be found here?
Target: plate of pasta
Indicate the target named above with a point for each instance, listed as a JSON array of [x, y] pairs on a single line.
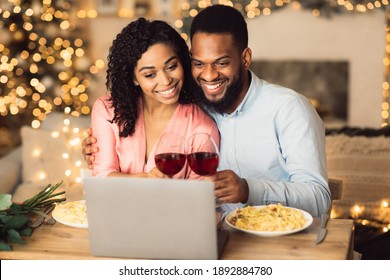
[[73, 213], [269, 220]]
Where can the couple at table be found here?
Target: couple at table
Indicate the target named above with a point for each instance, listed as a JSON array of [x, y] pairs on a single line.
[[272, 141]]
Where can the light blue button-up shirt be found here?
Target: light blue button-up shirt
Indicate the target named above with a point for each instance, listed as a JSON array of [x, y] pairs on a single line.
[[276, 141]]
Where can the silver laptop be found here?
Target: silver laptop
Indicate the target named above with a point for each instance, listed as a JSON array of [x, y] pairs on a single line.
[[151, 218]]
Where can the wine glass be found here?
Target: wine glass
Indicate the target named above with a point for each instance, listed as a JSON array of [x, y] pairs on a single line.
[[203, 154], [169, 156]]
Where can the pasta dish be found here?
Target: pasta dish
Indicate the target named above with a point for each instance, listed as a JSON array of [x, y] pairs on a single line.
[[74, 212], [273, 217]]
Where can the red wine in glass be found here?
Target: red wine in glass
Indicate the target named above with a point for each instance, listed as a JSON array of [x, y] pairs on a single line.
[[170, 163], [169, 155], [203, 163], [202, 154]]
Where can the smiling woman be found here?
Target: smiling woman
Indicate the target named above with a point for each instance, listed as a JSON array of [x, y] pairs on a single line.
[[149, 94]]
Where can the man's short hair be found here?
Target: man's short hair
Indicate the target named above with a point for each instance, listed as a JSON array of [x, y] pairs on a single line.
[[221, 19]]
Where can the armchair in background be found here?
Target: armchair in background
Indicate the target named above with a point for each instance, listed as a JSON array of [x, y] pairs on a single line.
[[360, 157], [47, 155]]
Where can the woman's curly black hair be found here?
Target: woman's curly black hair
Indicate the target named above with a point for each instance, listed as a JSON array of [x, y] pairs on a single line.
[[126, 50]]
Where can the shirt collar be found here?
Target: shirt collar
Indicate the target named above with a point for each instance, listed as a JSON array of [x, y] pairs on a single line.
[[254, 86]]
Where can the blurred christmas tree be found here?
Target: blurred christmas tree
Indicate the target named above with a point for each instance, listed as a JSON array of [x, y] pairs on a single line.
[[43, 64]]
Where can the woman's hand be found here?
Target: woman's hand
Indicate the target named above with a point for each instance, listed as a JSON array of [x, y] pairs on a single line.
[[154, 173]]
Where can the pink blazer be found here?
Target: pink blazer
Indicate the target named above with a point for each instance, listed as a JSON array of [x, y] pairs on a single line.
[[127, 154]]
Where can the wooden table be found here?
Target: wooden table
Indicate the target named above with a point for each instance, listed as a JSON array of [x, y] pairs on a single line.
[[61, 242], [338, 244]]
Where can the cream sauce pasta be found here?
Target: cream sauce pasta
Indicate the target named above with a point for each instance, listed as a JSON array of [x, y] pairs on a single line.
[[273, 217], [74, 212]]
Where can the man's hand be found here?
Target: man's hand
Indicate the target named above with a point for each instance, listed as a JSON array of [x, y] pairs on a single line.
[[229, 187], [87, 148]]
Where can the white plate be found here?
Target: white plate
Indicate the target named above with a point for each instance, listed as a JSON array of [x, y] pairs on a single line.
[[308, 217], [58, 217]]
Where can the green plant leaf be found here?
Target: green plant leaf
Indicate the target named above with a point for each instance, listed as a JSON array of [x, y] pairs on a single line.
[[5, 201], [19, 208], [14, 237], [15, 222], [2, 218], [15, 219], [26, 232], [5, 247]]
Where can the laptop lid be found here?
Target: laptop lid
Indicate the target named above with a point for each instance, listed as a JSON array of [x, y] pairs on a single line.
[[151, 218]]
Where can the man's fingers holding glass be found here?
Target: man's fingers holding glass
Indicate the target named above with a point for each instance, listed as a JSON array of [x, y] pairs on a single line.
[[89, 150], [89, 158], [89, 141]]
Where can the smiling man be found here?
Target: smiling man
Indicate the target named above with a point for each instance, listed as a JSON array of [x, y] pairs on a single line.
[[217, 68], [272, 139]]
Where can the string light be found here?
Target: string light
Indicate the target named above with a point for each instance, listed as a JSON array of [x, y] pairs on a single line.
[[254, 8], [356, 211], [36, 153], [42, 175], [368, 214], [386, 82]]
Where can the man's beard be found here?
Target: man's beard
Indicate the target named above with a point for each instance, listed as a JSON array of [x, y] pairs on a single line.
[[228, 100]]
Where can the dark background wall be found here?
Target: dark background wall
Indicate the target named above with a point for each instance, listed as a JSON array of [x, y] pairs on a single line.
[[323, 81]]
